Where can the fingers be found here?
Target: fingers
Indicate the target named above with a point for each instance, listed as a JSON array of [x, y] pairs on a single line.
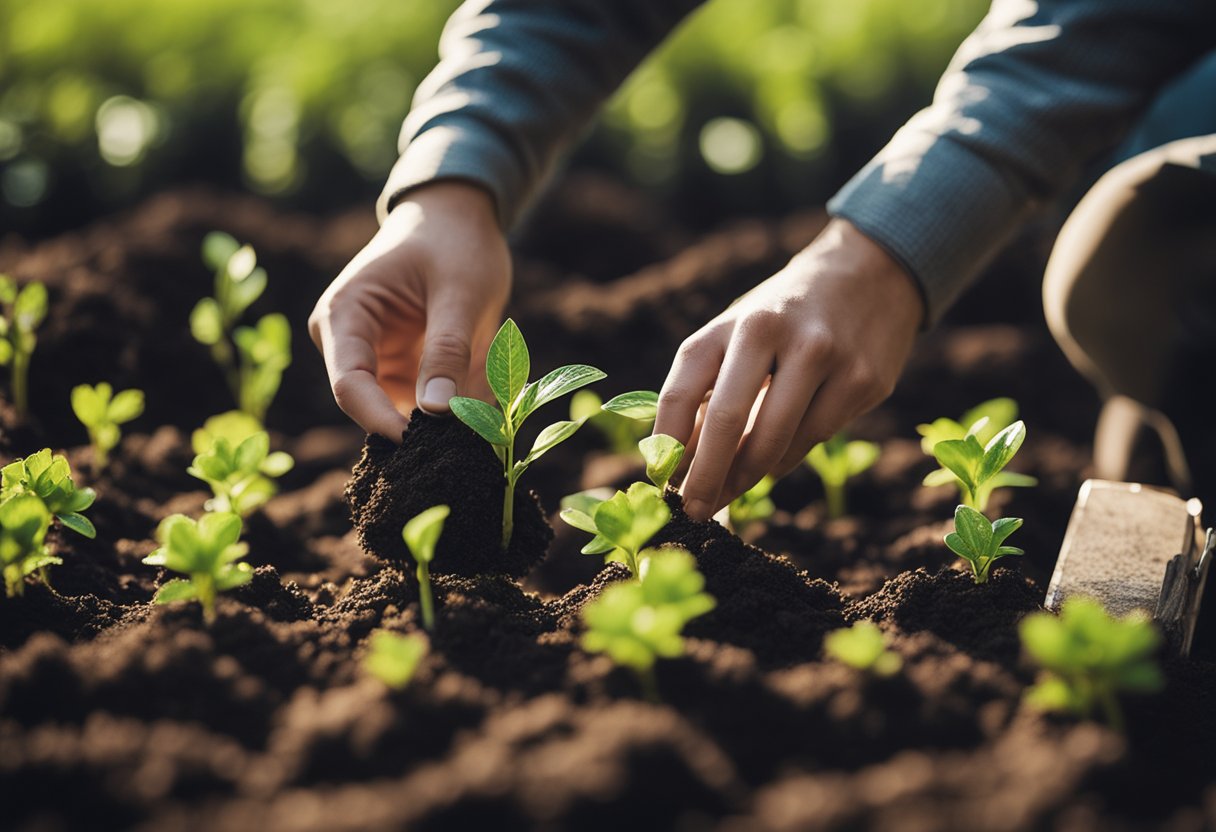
[[451, 323], [834, 405], [688, 383]]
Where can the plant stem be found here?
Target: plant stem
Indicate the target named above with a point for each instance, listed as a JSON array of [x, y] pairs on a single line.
[[650, 685], [21, 382], [834, 493], [206, 596], [12, 581], [1111, 709], [425, 599], [508, 494]]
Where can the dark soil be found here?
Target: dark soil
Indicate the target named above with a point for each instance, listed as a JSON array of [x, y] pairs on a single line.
[[116, 713]]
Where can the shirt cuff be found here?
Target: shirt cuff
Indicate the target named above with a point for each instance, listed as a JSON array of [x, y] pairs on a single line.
[[935, 206]]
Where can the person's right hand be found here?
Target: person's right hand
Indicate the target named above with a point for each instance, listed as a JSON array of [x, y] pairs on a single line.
[[409, 320]]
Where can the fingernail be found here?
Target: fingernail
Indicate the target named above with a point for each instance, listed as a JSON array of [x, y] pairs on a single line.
[[697, 509], [436, 394]]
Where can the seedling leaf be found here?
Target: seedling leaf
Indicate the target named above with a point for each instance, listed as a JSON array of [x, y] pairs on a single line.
[[554, 385], [507, 365], [641, 405], [422, 532], [485, 419], [662, 454], [393, 658]]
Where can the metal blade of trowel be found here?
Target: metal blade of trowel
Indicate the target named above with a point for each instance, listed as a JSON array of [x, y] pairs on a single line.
[[1136, 547]]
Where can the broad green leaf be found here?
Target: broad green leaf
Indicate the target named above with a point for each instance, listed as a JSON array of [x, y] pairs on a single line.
[[939, 430], [550, 438], [127, 405], [955, 541], [1000, 413], [580, 520], [1000, 450], [554, 385], [1004, 527], [961, 457], [241, 263], [485, 419], [206, 322], [79, 523], [277, 464], [641, 405], [234, 425], [974, 528], [242, 294], [88, 406], [599, 545], [662, 454], [218, 247], [219, 530], [422, 532], [251, 451], [507, 364], [631, 518], [177, 589]]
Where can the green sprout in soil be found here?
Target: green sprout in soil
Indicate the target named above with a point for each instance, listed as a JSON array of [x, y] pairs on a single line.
[[863, 647], [978, 468], [752, 506], [207, 551], [622, 524], [979, 542], [21, 311], [49, 478], [393, 658], [1090, 657], [252, 358], [237, 464], [662, 454], [983, 423], [421, 534], [622, 430], [836, 461], [24, 521], [507, 369], [101, 412], [638, 622]]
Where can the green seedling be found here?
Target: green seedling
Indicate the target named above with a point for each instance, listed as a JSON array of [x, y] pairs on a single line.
[[623, 432], [24, 521], [49, 478], [101, 412], [1090, 657], [207, 551], [836, 461], [863, 647], [420, 535], [252, 358], [240, 473], [662, 454], [622, 524], [983, 423], [393, 658], [507, 370], [753, 505], [638, 622], [979, 542], [21, 311], [978, 469]]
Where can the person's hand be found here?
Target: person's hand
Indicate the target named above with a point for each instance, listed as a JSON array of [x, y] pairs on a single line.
[[789, 364], [409, 320]]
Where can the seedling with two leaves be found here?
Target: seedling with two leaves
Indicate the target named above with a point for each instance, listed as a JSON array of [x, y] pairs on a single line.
[[944, 439], [394, 658], [24, 522], [421, 534], [836, 461], [102, 411], [753, 505], [233, 456], [1090, 657], [981, 543], [21, 311], [252, 358], [863, 647], [638, 622], [207, 551], [48, 477], [622, 524]]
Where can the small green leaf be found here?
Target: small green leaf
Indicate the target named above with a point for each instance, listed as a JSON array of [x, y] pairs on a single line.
[[962, 458], [641, 405], [1004, 527], [422, 532], [277, 464], [507, 364], [217, 248], [393, 658], [206, 322], [580, 520], [79, 523], [241, 263], [176, 589], [29, 309], [974, 528], [942, 476], [554, 385], [486, 420], [125, 406], [662, 454], [88, 406], [550, 438], [1000, 451], [251, 452]]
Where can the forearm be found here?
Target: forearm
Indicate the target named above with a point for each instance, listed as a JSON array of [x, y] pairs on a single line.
[[518, 81]]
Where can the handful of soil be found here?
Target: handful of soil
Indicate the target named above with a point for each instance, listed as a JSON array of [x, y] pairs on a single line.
[[441, 461]]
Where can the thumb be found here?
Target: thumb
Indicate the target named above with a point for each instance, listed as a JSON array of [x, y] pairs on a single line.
[[451, 318]]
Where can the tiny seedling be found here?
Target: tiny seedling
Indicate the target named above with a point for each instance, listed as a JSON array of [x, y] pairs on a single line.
[[420, 535], [622, 524], [984, 423], [507, 369], [101, 412], [753, 505], [239, 472], [49, 478], [622, 431], [252, 358], [979, 542], [863, 647], [21, 311], [836, 461], [978, 468], [638, 622], [1090, 657], [393, 658], [24, 521], [662, 454], [207, 551]]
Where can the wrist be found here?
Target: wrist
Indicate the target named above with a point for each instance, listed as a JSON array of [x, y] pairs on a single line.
[[450, 196]]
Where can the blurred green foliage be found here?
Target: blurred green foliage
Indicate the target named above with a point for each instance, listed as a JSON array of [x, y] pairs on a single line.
[[101, 102]]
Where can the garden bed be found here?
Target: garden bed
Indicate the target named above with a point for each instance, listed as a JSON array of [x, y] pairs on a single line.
[[118, 713]]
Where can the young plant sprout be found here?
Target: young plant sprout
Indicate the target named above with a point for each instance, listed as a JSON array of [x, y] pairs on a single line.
[[753, 505], [101, 412], [983, 424], [978, 468], [253, 358], [420, 535], [836, 461], [507, 369], [863, 647], [21, 311], [979, 542], [622, 524], [393, 658], [24, 521], [638, 622], [207, 551], [622, 432], [662, 454], [1089, 657], [239, 471], [49, 478]]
